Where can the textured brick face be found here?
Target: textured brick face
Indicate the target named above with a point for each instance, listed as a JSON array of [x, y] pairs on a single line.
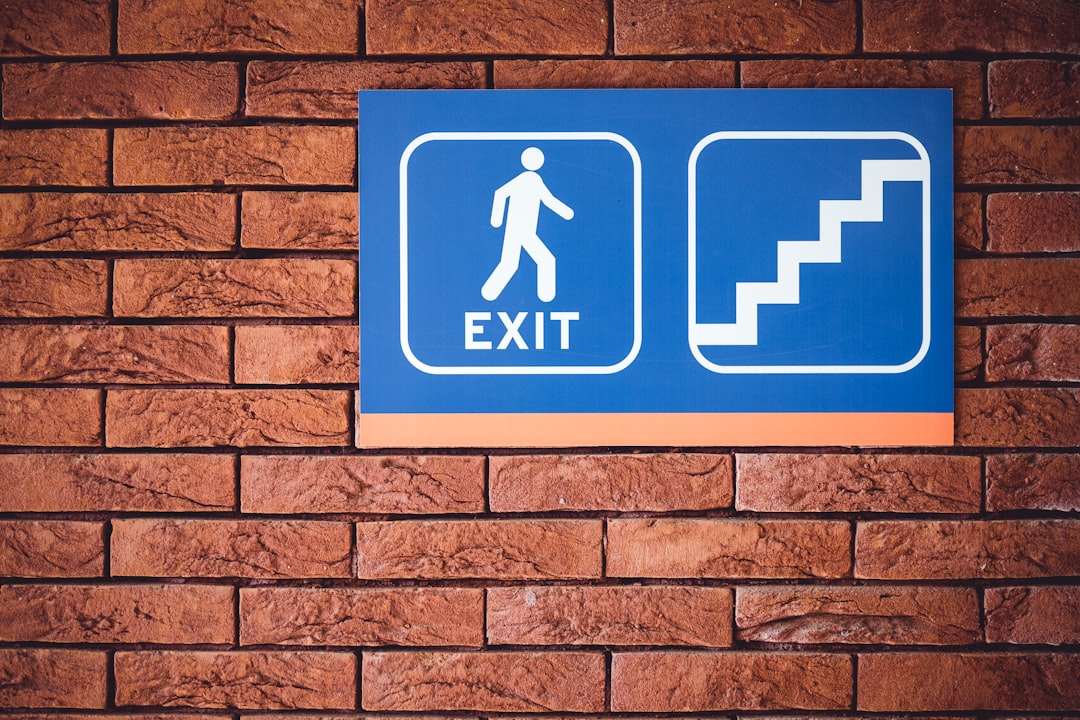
[[54, 27], [52, 679]]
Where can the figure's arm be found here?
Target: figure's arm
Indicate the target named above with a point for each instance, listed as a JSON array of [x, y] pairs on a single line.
[[498, 205], [557, 206]]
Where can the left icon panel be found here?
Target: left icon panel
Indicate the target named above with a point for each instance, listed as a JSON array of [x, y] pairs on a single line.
[[520, 253]]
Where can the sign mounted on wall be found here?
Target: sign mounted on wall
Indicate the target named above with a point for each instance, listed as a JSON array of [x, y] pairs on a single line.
[[655, 267]]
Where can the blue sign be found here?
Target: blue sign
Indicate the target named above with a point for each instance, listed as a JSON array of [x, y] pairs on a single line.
[[655, 267]]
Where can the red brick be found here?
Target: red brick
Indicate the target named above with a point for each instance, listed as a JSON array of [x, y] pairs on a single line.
[[297, 354], [265, 155], [54, 156], [1032, 481], [35, 287], [965, 78], [651, 27], [673, 548], [256, 26], [1033, 222], [116, 483], [275, 287], [328, 89], [1019, 26], [115, 354], [1018, 417], [50, 416], [609, 616], [126, 90], [245, 680], [54, 27], [858, 483], [499, 27], [1034, 88], [52, 678], [369, 616], [174, 614], [698, 681], [98, 222], [362, 484], [300, 220], [1017, 154], [51, 548], [1002, 287], [1033, 352], [610, 482], [896, 615], [486, 682], [502, 549], [968, 349], [931, 550], [230, 548], [968, 221], [614, 73], [911, 682], [1030, 615], [238, 418]]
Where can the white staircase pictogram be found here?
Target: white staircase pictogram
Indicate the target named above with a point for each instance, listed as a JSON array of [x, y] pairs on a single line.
[[792, 254]]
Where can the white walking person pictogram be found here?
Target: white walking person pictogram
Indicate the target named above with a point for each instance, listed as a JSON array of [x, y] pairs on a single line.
[[518, 202]]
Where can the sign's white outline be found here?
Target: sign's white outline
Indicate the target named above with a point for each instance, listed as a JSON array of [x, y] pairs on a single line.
[[404, 268], [692, 253]]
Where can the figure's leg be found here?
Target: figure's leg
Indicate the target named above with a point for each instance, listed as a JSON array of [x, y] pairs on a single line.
[[503, 272], [545, 268]]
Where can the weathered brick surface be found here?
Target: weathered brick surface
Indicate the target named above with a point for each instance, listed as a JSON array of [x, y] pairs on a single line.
[[261, 680], [1033, 222], [135, 483], [929, 26], [95, 222], [52, 678], [234, 288], [697, 681], [115, 354], [257, 26], [609, 616], [50, 416], [488, 682], [382, 616], [1034, 88], [54, 27], [1018, 417], [614, 73], [910, 682], [181, 90], [968, 221], [1032, 481], [1017, 154], [328, 89], [297, 354], [673, 548], [858, 483], [1002, 287], [230, 548], [398, 484], [173, 614], [239, 418], [300, 220], [503, 549], [917, 550], [626, 482], [51, 548], [1033, 352], [38, 287], [54, 156], [964, 78], [1028, 615], [900, 615], [263, 155], [968, 353], [518, 27]]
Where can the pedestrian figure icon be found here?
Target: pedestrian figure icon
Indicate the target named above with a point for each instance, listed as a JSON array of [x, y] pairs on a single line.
[[517, 205]]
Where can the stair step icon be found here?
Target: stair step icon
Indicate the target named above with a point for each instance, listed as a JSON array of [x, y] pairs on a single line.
[[791, 255]]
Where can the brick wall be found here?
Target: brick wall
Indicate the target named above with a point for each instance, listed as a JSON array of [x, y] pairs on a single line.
[[187, 528]]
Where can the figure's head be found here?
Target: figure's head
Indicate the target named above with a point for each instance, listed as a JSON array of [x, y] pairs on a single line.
[[532, 158]]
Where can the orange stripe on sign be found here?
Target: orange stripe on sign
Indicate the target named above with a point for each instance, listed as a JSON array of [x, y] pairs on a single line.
[[676, 429]]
